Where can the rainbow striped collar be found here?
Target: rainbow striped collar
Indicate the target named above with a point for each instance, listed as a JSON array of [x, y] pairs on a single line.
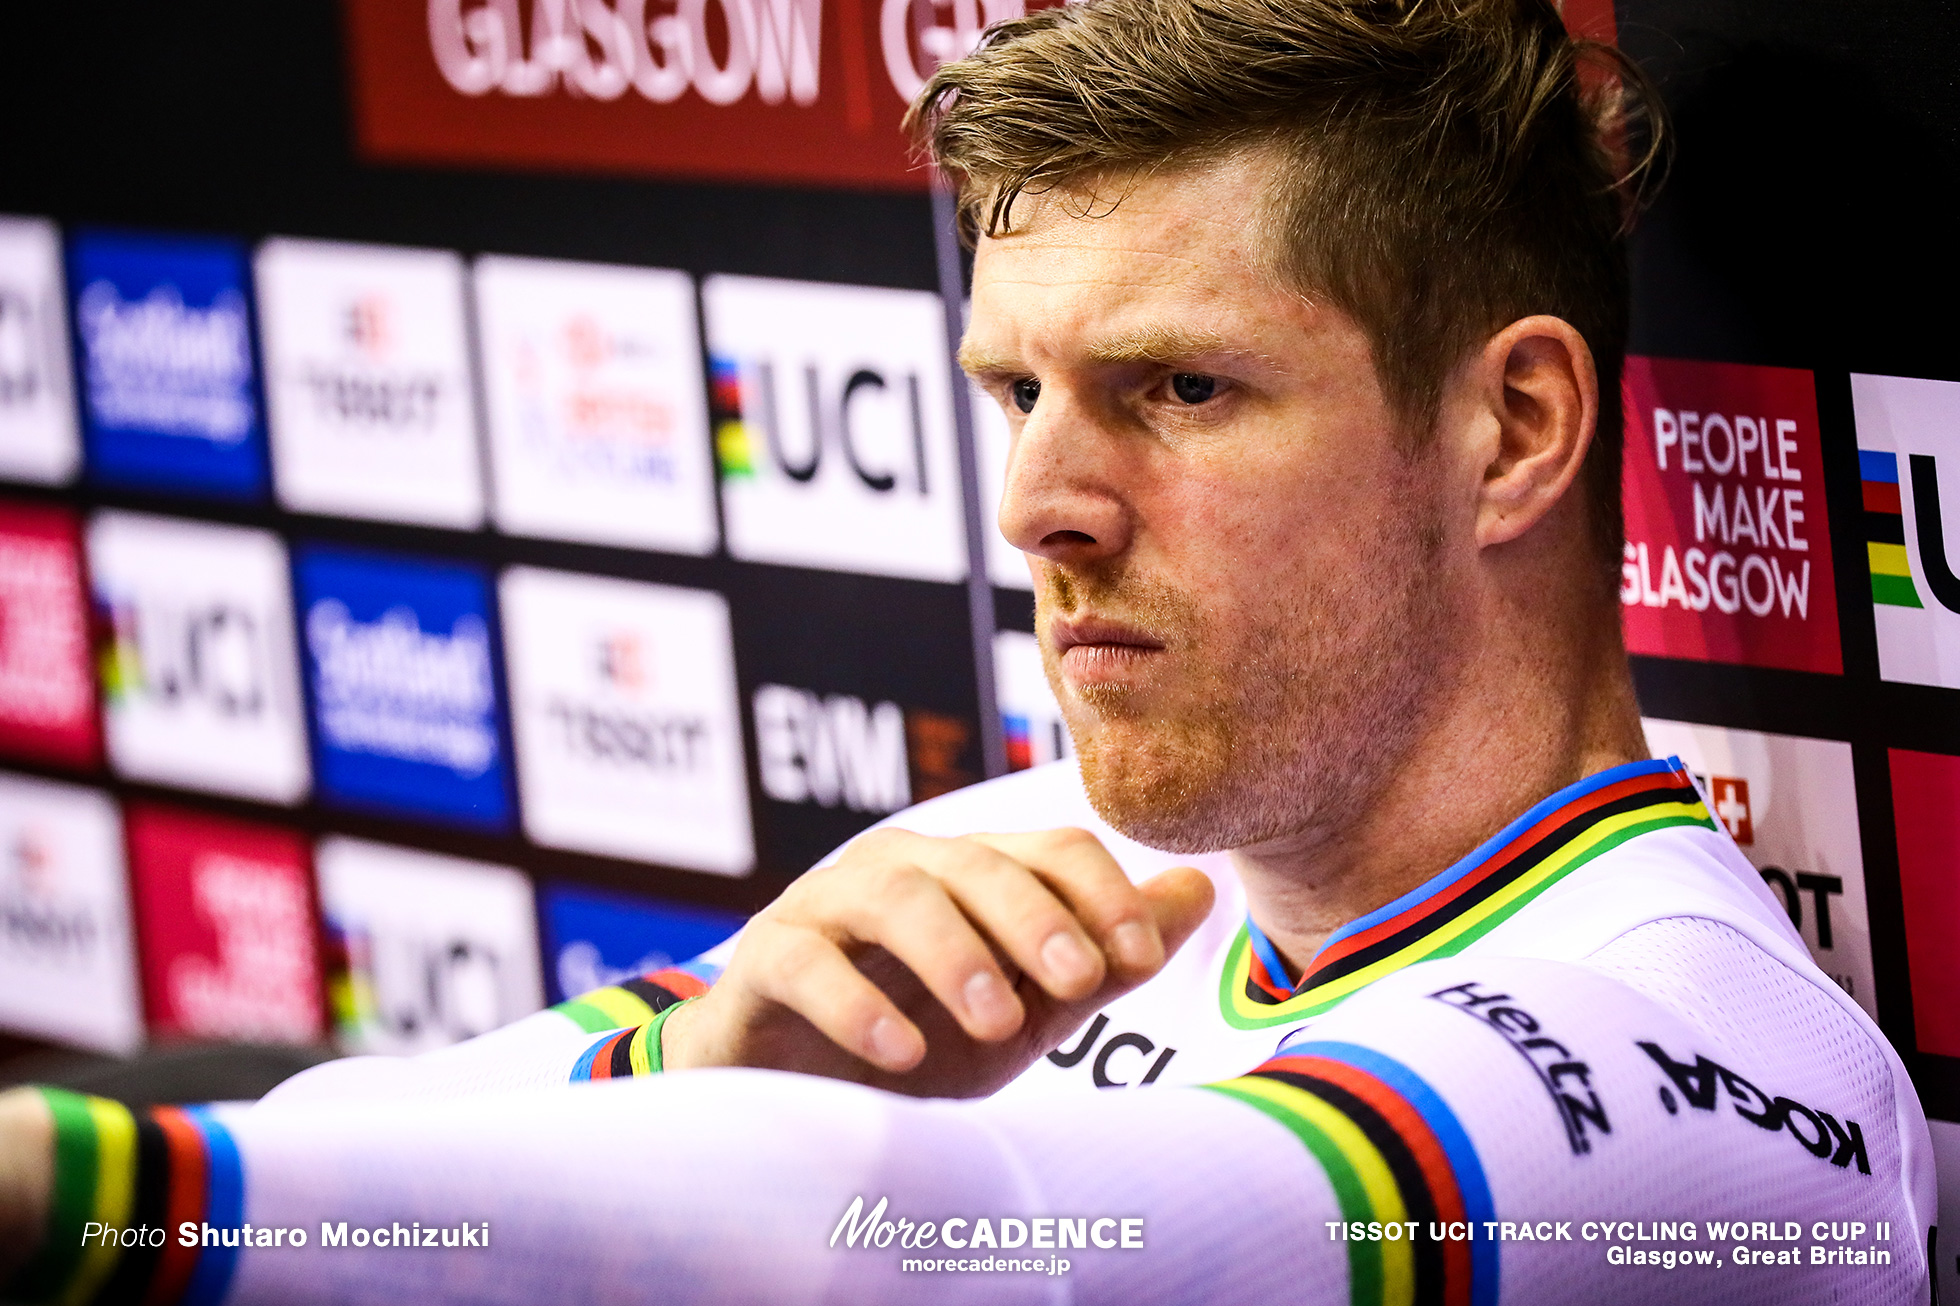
[[1455, 909]]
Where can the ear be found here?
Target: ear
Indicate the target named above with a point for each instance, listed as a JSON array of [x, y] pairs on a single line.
[[1536, 381]]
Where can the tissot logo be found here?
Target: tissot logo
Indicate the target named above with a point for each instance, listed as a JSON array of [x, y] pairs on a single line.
[[404, 687], [368, 381], [1789, 805], [166, 359], [38, 440], [1727, 554], [628, 736], [1728, 799], [833, 428], [1909, 462], [598, 425], [67, 962], [199, 679], [429, 950]]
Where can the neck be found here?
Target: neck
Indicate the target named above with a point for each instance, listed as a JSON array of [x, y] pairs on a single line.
[[1530, 711]]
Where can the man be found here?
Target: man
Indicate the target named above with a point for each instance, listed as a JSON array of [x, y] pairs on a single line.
[[1308, 319]]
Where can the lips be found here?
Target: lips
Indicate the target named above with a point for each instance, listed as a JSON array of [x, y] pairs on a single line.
[[1097, 650]]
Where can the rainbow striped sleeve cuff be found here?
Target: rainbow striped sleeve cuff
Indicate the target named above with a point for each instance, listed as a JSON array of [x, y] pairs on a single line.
[[636, 1001], [1393, 1151], [124, 1182], [630, 1015]]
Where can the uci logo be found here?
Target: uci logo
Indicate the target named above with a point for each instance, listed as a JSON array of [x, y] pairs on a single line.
[[1105, 1066], [211, 654], [1932, 534], [874, 423]]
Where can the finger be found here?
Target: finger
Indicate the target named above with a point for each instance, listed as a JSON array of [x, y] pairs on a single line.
[[1179, 899], [1018, 909], [802, 970], [922, 920], [1098, 892]]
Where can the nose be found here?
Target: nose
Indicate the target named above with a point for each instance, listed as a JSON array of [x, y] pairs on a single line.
[[1063, 499]]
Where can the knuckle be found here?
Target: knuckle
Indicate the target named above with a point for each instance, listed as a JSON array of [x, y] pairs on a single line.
[[796, 953], [896, 882]]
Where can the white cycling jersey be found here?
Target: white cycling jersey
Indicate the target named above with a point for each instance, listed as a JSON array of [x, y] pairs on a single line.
[[1591, 1061]]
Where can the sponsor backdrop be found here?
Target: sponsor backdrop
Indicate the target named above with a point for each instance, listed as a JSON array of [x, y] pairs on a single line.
[[485, 500]]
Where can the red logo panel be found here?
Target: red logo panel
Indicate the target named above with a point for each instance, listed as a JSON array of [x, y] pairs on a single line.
[[1926, 805], [47, 686], [225, 914], [1728, 553], [805, 91], [764, 90]]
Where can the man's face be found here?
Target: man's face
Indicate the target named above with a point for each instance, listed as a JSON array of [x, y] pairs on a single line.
[[1236, 557]]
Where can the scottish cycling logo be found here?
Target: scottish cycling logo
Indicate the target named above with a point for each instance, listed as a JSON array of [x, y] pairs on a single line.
[[405, 698]]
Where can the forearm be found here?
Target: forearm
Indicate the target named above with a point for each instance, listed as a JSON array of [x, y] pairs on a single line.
[[1407, 1109], [538, 1051]]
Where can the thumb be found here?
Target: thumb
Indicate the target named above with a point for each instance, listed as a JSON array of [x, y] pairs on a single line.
[[1181, 898]]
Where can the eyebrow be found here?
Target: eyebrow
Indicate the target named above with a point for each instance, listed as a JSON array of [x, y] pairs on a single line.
[[1150, 344]]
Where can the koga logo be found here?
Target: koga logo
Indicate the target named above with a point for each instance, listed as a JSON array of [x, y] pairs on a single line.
[[1102, 1069], [1819, 1132], [417, 988], [358, 390], [745, 396], [656, 48], [22, 378], [1769, 518], [209, 653], [32, 918], [832, 750], [1567, 1079], [390, 688], [159, 364], [675, 741], [1885, 531]]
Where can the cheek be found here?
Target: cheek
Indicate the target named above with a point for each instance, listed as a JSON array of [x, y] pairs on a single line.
[[1253, 526]]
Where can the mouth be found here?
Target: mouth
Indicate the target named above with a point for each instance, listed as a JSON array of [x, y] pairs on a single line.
[[1096, 650]]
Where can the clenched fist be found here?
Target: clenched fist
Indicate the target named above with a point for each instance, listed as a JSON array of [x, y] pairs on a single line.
[[937, 967]]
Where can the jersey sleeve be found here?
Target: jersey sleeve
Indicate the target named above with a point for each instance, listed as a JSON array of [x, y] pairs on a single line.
[[578, 1039], [1468, 1131]]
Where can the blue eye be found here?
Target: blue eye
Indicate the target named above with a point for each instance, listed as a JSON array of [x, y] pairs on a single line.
[[1026, 391], [1193, 388]]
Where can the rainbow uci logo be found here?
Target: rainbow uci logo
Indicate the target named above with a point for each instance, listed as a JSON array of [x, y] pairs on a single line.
[[1885, 531], [1907, 447]]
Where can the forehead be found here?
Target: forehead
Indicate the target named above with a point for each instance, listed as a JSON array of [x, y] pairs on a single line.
[[1194, 242]]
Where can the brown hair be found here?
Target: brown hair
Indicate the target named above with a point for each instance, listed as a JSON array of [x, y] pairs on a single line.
[[1447, 168]]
